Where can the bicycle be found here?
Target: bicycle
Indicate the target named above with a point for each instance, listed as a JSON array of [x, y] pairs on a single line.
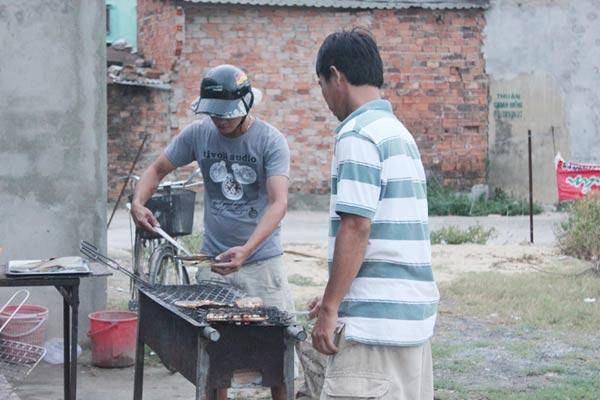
[[154, 259]]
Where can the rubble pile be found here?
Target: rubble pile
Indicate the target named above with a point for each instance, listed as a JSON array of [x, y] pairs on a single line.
[[127, 68]]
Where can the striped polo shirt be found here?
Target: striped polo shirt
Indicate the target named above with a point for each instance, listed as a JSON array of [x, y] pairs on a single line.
[[377, 173]]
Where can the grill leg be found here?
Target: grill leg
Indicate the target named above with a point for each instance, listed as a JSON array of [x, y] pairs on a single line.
[[288, 368], [202, 366], [138, 380]]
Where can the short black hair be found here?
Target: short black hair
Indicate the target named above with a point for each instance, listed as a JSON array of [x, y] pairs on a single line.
[[355, 54]]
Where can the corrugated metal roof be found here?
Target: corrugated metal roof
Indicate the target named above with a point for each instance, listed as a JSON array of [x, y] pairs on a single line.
[[356, 4], [151, 83]]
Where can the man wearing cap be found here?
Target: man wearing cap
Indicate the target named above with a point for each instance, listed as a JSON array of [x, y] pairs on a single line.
[[245, 166]]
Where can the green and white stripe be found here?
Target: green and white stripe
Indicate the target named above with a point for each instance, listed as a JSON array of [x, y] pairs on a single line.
[[377, 173]]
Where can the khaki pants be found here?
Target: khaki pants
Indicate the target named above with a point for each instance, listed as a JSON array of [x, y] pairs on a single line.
[[362, 371], [266, 279]]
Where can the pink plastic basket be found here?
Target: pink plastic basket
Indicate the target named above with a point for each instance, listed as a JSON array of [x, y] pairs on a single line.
[[28, 325]]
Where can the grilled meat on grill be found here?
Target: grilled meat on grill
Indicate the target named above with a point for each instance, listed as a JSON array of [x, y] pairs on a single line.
[[249, 302], [199, 303], [235, 316]]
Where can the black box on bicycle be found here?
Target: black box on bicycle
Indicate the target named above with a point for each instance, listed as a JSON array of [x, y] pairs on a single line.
[[174, 210]]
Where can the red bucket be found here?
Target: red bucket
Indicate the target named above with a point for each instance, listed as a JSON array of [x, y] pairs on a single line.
[[28, 325], [113, 338]]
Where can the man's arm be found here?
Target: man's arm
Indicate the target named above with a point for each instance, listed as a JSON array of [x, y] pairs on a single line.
[[277, 191], [350, 246], [144, 189]]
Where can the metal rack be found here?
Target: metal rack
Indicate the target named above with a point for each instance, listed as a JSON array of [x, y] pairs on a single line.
[[18, 359]]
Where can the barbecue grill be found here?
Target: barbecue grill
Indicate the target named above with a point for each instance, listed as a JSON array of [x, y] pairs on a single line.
[[208, 352]]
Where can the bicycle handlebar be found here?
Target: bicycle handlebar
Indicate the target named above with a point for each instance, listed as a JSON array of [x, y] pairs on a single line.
[[178, 184], [169, 184]]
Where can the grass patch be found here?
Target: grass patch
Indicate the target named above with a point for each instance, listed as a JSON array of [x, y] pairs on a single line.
[[521, 348], [555, 369], [447, 201], [536, 299], [565, 389], [454, 235], [444, 350], [461, 365]]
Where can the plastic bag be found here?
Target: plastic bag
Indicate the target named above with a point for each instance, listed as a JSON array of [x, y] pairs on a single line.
[[55, 351]]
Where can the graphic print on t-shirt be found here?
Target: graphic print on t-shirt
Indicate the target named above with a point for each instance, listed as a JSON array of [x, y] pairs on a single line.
[[231, 185]]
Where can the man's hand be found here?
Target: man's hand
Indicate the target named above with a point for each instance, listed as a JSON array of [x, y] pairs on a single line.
[[231, 260], [143, 217], [322, 333], [314, 306], [144, 189]]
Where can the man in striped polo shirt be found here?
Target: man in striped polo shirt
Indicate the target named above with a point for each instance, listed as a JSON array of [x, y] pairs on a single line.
[[378, 311]]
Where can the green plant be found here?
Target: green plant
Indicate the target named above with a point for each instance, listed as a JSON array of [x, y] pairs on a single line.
[[503, 203], [579, 234], [455, 235], [447, 201]]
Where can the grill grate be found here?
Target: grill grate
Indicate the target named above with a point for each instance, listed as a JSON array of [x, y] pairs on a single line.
[[205, 290], [219, 292], [17, 359]]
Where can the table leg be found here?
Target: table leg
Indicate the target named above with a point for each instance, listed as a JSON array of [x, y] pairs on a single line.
[[67, 348], [74, 339]]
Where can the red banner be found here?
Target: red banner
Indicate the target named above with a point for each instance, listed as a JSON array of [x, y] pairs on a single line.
[[575, 180]]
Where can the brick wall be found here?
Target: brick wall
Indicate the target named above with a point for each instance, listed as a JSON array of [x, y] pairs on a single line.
[[159, 38], [134, 111], [434, 74]]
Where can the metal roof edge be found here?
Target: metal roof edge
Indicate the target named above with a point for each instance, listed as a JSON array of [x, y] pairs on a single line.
[[348, 4]]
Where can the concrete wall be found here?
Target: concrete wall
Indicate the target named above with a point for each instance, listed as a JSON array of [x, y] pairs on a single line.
[[53, 139], [542, 57]]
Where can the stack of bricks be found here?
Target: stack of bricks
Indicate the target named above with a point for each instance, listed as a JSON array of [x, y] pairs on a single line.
[[434, 73]]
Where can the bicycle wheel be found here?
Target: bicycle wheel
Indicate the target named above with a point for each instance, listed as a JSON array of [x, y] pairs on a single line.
[[142, 250], [164, 269]]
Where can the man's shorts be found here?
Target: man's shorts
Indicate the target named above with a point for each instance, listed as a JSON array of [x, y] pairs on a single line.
[[362, 371], [266, 279]]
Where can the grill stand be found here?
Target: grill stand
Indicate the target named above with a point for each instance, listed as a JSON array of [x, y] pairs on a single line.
[[180, 343]]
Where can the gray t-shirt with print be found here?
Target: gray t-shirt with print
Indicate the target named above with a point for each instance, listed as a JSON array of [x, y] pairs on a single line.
[[235, 172]]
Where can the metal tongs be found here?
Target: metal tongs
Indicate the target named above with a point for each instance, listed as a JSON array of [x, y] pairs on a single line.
[[196, 259], [91, 252]]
